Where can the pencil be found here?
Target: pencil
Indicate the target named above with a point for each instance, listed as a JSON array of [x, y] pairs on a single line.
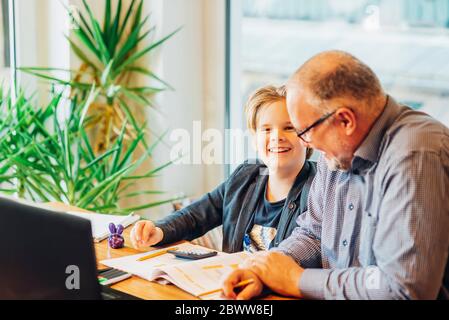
[[213, 267], [238, 285], [156, 254]]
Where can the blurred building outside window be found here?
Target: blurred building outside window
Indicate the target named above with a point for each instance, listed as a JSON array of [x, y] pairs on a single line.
[[406, 42]]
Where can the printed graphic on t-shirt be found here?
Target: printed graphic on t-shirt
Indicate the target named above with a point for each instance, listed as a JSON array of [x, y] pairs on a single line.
[[260, 238]]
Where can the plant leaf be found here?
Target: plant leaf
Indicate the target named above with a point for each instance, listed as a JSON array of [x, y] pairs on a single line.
[[99, 39], [143, 52]]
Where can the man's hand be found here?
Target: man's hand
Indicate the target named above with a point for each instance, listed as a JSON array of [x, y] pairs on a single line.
[[277, 271], [251, 290], [145, 234]]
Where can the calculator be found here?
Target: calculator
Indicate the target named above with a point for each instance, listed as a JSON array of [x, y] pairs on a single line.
[[193, 254]]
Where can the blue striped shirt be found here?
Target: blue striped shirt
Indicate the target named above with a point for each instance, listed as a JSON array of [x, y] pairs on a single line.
[[380, 230]]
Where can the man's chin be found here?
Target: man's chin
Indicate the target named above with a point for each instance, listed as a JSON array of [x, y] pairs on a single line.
[[334, 164]]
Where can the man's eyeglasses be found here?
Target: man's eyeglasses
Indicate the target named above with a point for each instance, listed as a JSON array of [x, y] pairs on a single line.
[[304, 134]]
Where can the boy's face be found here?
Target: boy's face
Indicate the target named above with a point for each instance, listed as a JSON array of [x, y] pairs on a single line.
[[276, 141]]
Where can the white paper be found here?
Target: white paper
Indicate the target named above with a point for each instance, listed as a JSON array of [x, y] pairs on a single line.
[[100, 222], [194, 276]]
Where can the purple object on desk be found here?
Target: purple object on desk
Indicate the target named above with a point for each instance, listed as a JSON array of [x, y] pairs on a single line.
[[116, 240]]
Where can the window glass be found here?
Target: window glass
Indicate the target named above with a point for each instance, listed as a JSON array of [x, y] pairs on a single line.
[[406, 42]]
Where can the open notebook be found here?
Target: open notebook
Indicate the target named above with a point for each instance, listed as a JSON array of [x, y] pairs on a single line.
[[196, 277], [100, 222]]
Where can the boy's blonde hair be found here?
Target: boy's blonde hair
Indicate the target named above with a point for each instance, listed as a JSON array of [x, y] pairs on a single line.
[[260, 99]]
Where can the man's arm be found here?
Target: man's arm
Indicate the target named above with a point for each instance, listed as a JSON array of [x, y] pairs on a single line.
[[411, 241], [304, 244], [281, 267]]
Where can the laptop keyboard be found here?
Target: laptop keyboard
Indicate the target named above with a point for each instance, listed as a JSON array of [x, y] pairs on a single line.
[[107, 293]]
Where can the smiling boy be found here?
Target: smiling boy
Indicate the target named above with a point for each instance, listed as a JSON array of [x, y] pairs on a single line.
[[259, 203]]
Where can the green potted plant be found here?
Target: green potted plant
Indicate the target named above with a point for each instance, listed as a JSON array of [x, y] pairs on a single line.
[[110, 58], [48, 159], [89, 161]]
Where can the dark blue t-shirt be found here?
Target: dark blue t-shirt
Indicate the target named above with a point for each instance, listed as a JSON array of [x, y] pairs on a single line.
[[265, 223]]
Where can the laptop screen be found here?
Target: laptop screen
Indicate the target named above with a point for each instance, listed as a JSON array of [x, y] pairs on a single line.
[[45, 254]]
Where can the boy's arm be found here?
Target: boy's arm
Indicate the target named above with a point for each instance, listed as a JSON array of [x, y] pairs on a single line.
[[196, 219]]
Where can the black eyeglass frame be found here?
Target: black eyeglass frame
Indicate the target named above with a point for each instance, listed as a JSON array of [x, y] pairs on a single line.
[[313, 125]]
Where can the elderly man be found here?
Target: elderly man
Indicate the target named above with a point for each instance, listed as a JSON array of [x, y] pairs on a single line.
[[377, 225]]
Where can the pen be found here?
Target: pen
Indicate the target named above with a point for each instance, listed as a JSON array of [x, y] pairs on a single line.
[[156, 254], [238, 285]]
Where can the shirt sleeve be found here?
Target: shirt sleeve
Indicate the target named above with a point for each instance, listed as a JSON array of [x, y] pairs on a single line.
[[194, 220], [198, 218], [411, 240], [304, 244]]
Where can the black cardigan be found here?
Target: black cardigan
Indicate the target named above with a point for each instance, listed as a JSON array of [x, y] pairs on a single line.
[[233, 204]]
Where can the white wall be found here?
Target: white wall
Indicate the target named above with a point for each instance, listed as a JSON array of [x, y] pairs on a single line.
[[193, 62], [214, 26], [40, 29]]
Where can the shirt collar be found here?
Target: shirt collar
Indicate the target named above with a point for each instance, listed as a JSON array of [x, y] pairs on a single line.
[[295, 191], [369, 149], [301, 179]]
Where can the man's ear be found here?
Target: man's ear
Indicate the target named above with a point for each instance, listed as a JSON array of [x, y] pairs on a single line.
[[347, 120]]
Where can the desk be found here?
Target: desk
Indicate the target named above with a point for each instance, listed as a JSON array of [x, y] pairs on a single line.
[[137, 286]]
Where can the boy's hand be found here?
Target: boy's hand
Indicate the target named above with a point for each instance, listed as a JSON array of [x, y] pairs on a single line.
[[145, 234]]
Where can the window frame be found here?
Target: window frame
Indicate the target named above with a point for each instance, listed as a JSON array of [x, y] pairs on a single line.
[[10, 54]]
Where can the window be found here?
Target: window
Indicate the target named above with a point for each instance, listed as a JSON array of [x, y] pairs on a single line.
[[5, 61], [406, 42]]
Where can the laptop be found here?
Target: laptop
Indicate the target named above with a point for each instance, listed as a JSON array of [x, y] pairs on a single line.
[[46, 254]]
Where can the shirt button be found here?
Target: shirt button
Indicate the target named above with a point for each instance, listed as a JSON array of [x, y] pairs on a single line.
[[351, 207], [292, 206], [345, 243]]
